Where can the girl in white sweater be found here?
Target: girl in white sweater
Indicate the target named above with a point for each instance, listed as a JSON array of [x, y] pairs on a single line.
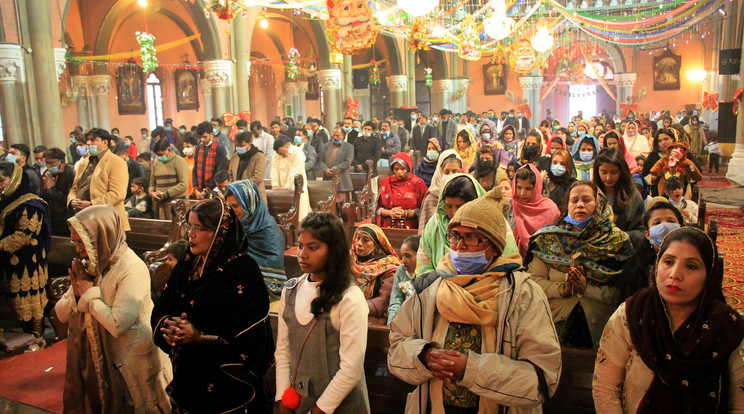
[[322, 327]]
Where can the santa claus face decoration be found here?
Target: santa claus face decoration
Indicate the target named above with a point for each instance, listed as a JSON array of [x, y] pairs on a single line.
[[522, 58], [350, 27]]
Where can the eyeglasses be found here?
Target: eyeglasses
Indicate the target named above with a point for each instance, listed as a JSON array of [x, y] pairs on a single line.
[[188, 227], [470, 239]]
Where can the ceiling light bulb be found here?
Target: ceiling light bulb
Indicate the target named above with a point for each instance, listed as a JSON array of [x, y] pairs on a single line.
[[264, 23], [142, 3]]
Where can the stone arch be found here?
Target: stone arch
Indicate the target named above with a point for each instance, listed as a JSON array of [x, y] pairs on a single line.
[[394, 54], [195, 44], [324, 49], [618, 59]]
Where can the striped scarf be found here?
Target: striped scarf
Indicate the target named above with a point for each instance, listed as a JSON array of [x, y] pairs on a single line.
[[204, 161]]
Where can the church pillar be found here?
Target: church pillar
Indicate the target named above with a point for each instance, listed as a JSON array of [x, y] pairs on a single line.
[[329, 81], [11, 74], [220, 76], [442, 91], [728, 82], [398, 86], [736, 164], [206, 89], [295, 96], [459, 100], [365, 104], [45, 73], [242, 70], [531, 92], [100, 86], [347, 87], [624, 83], [411, 73], [80, 90]]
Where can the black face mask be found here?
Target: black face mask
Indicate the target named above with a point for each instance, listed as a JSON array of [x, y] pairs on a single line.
[[530, 152], [486, 165]]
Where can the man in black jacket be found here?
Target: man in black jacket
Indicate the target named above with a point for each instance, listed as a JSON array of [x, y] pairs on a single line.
[[421, 133], [55, 185], [367, 147]]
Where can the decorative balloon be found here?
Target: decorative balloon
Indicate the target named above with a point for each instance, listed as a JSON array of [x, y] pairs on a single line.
[[350, 27]]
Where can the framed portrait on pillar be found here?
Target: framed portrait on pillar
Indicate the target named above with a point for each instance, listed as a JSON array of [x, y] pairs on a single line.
[[312, 88], [666, 71], [187, 90], [130, 89], [494, 78]]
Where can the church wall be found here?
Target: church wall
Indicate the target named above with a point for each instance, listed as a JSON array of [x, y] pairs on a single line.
[[478, 102]]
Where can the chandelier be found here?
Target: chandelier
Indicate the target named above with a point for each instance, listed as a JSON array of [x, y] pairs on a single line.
[[418, 7], [498, 26], [226, 10], [542, 41]]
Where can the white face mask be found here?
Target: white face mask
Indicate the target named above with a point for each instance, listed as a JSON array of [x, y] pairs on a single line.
[[586, 156], [188, 151]]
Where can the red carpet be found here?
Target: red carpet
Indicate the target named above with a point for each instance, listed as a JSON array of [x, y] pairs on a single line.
[[732, 248], [36, 378], [715, 182], [730, 221]]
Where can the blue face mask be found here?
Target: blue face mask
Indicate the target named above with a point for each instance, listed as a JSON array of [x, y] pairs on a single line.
[[144, 136], [183, 131], [73, 140], [413, 117], [469, 263], [164, 158], [127, 144], [167, 128], [54, 170], [557, 170], [11, 158], [580, 224], [338, 142], [432, 155], [215, 131], [298, 140], [356, 129], [659, 231], [82, 151], [93, 150], [347, 129], [241, 150], [310, 133]]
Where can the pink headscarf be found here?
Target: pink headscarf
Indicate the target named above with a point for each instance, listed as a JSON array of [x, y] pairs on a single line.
[[530, 216], [629, 159]]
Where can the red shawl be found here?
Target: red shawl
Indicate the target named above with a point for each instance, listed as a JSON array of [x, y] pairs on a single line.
[[406, 193], [529, 217]]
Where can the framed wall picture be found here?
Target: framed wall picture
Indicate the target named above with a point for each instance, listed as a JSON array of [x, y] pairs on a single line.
[[187, 90], [312, 93], [666, 71], [494, 78], [130, 89]]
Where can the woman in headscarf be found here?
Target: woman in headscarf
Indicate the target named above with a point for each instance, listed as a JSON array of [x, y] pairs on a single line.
[[674, 347], [560, 176], [584, 152], [477, 336], [112, 364], [487, 168], [373, 263], [697, 137], [663, 138], [25, 236], [466, 147], [428, 165], [530, 210], [635, 143], [512, 145], [546, 128], [532, 150], [213, 318], [487, 133], [613, 139], [264, 240], [577, 263], [449, 163], [400, 195]]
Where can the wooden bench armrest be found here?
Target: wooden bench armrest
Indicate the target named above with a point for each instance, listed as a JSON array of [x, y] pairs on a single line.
[[329, 205], [289, 222], [179, 208]]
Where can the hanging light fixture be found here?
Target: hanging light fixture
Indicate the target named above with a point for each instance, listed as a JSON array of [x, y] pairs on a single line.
[[542, 41], [498, 26], [264, 23], [418, 7]]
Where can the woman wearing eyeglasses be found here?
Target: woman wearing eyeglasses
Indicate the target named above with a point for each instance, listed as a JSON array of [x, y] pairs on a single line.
[[578, 263], [477, 334], [212, 318]]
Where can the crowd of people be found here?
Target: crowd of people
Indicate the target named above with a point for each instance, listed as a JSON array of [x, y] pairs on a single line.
[[523, 239]]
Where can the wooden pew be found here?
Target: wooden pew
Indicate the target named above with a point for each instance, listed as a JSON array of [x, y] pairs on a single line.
[[148, 234], [362, 183], [323, 193], [284, 206]]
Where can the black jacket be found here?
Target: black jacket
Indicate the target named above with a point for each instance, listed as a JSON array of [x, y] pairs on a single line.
[[56, 198]]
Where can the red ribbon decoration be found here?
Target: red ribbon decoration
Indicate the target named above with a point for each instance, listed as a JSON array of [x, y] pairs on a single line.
[[526, 111], [737, 98], [353, 104], [231, 120], [710, 100], [626, 108]]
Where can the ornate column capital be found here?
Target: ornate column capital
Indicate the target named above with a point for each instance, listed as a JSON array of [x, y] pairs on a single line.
[[219, 72], [397, 83], [530, 82], [11, 63], [463, 84], [205, 87], [99, 85], [329, 79], [625, 79], [295, 88], [59, 61], [443, 85]]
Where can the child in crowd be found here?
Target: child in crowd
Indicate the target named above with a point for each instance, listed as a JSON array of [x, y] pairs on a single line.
[[139, 204], [221, 180], [674, 191], [189, 144], [321, 368], [175, 252], [405, 276], [145, 159], [641, 161], [511, 169], [714, 153]]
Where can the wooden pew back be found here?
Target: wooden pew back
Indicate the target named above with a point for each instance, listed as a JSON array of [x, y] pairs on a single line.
[[284, 206], [323, 193], [148, 234]]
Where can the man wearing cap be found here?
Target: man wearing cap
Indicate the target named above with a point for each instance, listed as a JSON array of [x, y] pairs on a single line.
[[289, 161], [477, 335]]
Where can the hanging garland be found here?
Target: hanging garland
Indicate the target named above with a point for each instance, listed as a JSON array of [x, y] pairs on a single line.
[[293, 72], [147, 51], [429, 79], [374, 74]]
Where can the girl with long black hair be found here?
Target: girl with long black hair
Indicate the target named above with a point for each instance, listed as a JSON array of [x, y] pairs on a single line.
[[322, 333]]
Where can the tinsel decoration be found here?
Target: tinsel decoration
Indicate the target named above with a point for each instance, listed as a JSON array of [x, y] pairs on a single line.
[[417, 37], [293, 72], [374, 74], [148, 52], [429, 79], [469, 48]]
